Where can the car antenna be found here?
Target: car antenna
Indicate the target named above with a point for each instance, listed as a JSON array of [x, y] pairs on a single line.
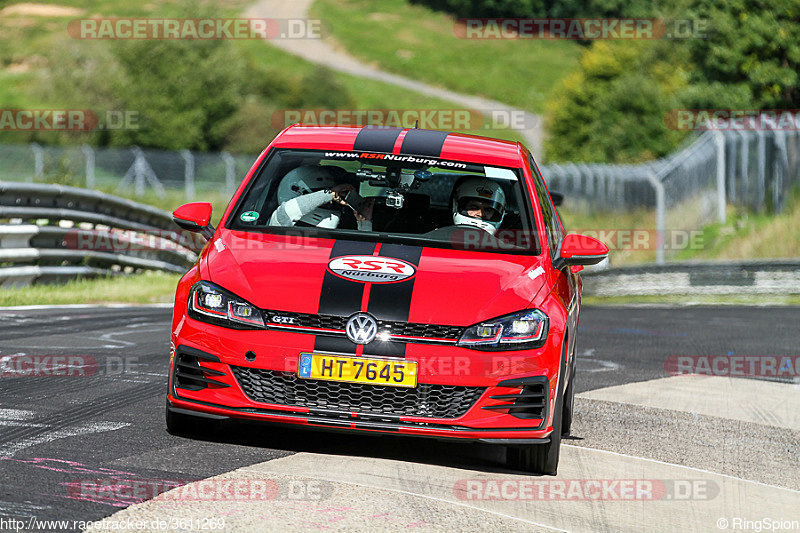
[[416, 124]]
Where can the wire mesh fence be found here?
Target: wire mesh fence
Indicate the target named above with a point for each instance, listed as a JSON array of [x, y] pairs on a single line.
[[128, 170], [688, 189], [692, 187]]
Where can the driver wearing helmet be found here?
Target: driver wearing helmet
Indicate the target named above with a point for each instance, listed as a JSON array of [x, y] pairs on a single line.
[[479, 202], [309, 196]]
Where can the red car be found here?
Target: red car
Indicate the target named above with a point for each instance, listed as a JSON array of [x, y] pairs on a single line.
[[387, 280]]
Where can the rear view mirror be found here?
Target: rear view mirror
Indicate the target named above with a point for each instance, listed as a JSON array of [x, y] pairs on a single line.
[[557, 198], [195, 217], [581, 250]]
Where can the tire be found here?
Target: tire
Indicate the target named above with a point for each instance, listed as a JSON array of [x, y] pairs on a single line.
[[538, 458], [541, 458], [181, 425], [569, 406]]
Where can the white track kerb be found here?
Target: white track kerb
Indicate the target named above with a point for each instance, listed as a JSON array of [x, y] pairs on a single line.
[[594, 489]]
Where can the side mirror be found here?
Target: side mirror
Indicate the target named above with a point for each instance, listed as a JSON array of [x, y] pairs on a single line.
[[557, 198], [581, 250], [195, 217]]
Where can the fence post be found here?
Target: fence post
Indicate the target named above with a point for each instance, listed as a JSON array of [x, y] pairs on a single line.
[[588, 179], [38, 162], [188, 173], [780, 169], [745, 167], [762, 170], [230, 172], [88, 153], [730, 166], [138, 171], [660, 215], [719, 138]]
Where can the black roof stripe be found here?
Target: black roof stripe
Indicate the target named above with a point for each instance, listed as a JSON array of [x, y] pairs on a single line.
[[376, 139], [423, 142]]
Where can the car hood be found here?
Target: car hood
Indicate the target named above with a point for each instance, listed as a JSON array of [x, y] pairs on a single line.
[[292, 274]]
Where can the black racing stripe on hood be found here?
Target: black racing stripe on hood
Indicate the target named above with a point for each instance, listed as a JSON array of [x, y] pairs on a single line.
[[376, 139], [392, 301], [423, 142], [341, 297]]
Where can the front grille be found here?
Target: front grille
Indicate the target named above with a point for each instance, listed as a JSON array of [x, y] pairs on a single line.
[[420, 330], [394, 327], [285, 388]]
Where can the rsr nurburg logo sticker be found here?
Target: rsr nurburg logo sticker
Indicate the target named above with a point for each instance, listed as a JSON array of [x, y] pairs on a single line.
[[371, 268]]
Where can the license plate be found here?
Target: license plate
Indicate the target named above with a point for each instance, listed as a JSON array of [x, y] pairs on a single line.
[[391, 372]]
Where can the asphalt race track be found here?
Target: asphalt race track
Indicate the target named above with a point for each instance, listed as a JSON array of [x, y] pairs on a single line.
[[734, 442]]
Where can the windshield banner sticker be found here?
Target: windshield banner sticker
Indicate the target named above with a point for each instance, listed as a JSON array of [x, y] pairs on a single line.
[[392, 158]]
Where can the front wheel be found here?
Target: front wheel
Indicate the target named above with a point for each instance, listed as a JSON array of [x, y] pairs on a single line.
[[180, 424], [543, 458], [538, 458], [569, 407]]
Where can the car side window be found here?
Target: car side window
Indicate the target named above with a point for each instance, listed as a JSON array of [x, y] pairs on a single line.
[[552, 222]]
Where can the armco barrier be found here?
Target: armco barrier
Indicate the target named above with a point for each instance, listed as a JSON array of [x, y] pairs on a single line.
[[51, 233], [747, 277]]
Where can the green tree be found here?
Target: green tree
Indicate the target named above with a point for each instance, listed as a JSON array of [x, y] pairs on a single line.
[[751, 53], [613, 108], [183, 91]]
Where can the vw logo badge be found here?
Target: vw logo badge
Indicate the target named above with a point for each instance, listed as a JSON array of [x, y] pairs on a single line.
[[361, 328]]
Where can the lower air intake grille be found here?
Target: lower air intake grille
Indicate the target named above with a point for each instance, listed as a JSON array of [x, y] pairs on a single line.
[[285, 388]]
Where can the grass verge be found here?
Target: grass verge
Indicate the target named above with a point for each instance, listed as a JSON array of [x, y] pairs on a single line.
[[420, 43], [28, 41], [144, 288], [749, 235]]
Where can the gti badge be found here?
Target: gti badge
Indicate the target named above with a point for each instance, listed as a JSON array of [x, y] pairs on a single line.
[[361, 328]]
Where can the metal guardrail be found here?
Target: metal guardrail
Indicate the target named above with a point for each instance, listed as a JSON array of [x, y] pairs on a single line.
[[51, 233], [744, 277]]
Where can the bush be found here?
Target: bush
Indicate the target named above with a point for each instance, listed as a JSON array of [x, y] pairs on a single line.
[[613, 108]]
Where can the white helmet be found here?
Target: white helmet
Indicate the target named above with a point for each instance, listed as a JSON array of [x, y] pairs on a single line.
[[303, 180], [491, 197]]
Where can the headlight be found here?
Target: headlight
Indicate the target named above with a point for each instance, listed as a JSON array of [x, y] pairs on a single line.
[[213, 304], [517, 331]]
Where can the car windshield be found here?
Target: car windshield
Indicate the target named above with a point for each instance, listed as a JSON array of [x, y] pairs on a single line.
[[388, 198]]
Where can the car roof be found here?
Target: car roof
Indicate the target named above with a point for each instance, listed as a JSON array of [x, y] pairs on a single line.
[[405, 141]]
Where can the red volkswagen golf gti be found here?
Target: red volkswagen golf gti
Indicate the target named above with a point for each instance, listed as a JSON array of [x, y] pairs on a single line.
[[385, 280]]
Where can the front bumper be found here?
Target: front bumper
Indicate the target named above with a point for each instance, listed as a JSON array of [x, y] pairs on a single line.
[[498, 377]]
